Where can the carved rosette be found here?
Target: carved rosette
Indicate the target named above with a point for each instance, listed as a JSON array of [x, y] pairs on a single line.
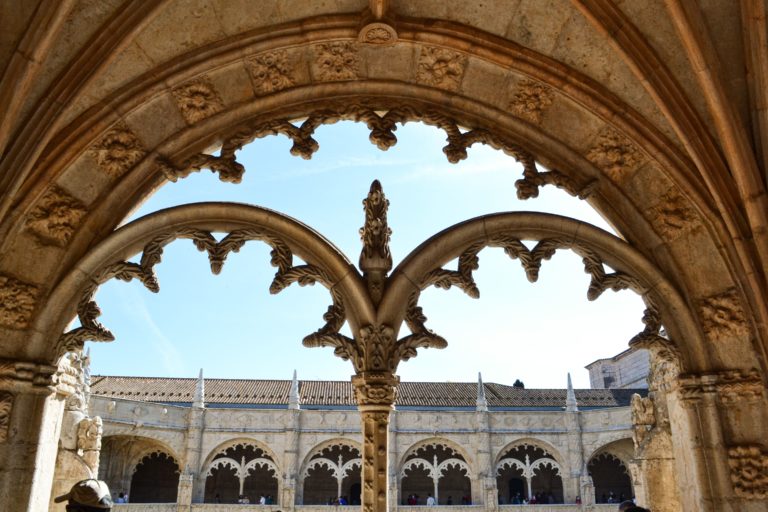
[[6, 407], [749, 471], [531, 100], [377, 33], [271, 72], [17, 302], [55, 217], [336, 61], [614, 154], [722, 316], [117, 151], [197, 99], [441, 67], [672, 217]]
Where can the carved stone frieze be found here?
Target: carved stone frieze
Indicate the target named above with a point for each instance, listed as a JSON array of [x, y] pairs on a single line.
[[722, 316], [197, 99], [24, 374], [749, 471], [441, 67], [117, 151], [336, 61], [17, 302], [271, 71], [614, 154], [6, 408], [530, 100], [377, 33], [672, 217], [731, 387], [56, 216]]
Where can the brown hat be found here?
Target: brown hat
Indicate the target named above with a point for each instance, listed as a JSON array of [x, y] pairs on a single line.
[[90, 493]]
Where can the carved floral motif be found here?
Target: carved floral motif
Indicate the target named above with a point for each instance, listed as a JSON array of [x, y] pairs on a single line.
[[336, 61], [672, 217], [722, 316], [117, 151], [377, 33], [271, 71], [56, 216], [6, 406], [441, 67], [197, 99], [17, 302], [749, 471], [614, 154], [531, 100]]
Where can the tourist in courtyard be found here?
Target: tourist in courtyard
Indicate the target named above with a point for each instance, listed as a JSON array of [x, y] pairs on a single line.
[[430, 500], [87, 496]]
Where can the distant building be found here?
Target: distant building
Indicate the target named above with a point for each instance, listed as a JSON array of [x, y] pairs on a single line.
[[627, 370]]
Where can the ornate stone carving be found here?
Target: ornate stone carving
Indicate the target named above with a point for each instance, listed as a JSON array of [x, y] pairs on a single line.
[[441, 67], [375, 258], [271, 71], [531, 100], [375, 430], [420, 336], [722, 316], [643, 418], [336, 61], [281, 257], [672, 217], [614, 154], [533, 179], [197, 99], [375, 388], [117, 151], [89, 433], [56, 216], [749, 471], [17, 302], [377, 33], [15, 373], [377, 343], [729, 386], [6, 407]]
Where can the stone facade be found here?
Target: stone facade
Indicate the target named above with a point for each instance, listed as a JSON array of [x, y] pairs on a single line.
[[628, 370], [492, 439]]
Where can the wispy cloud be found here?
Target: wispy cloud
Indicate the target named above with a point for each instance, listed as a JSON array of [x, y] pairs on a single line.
[[163, 346]]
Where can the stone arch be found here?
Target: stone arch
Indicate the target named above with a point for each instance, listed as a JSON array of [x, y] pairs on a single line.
[[331, 470], [123, 453], [241, 467], [529, 468], [155, 479], [531, 441], [230, 443], [435, 467], [610, 467]]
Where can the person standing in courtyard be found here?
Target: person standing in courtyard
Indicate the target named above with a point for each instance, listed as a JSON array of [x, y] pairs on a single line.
[[430, 500]]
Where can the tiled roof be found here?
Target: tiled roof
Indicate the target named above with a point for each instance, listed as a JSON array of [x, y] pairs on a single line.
[[245, 392]]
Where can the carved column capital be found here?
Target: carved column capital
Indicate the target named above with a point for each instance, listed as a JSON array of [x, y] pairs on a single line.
[[27, 376], [730, 387], [375, 390]]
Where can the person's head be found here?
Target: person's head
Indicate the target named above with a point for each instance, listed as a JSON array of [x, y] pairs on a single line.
[[637, 509], [88, 495], [626, 505]]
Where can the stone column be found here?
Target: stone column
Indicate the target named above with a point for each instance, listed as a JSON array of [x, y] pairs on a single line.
[[193, 457], [393, 458], [184, 496], [30, 424], [375, 393], [291, 461], [484, 486]]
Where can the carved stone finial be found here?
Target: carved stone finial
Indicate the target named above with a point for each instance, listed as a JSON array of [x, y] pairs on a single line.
[[482, 403], [199, 400], [571, 405], [293, 400], [375, 258]]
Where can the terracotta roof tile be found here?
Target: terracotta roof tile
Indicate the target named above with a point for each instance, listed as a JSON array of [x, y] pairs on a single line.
[[246, 392]]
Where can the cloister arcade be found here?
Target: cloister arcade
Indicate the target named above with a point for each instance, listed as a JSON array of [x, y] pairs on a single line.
[[654, 112]]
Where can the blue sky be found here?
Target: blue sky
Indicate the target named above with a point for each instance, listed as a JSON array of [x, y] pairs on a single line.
[[233, 328]]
